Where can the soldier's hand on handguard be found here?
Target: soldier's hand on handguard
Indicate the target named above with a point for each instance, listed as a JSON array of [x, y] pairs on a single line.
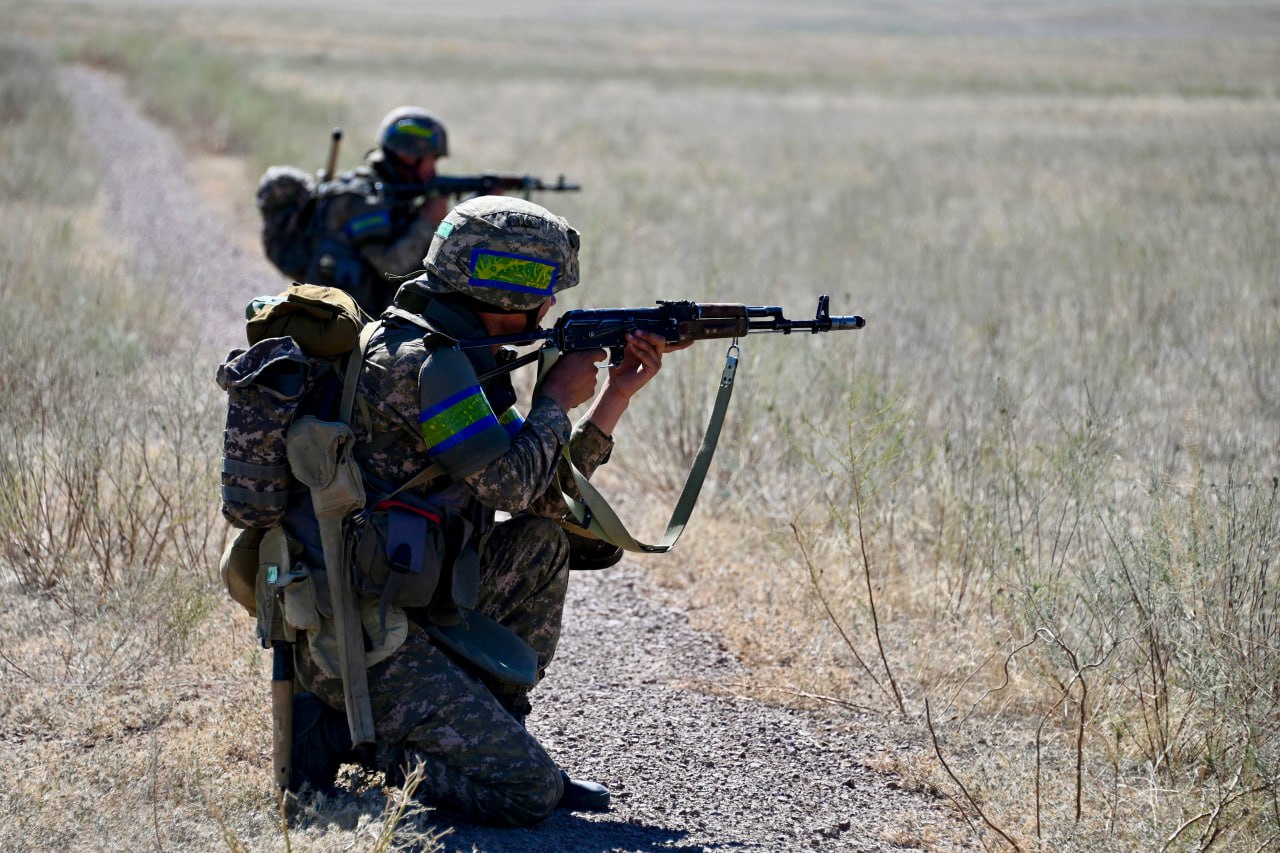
[[571, 381]]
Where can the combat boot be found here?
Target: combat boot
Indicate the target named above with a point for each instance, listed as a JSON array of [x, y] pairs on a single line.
[[583, 796], [589, 555], [321, 744]]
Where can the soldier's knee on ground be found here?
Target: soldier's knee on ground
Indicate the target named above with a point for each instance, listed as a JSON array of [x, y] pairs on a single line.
[[520, 798], [530, 803]]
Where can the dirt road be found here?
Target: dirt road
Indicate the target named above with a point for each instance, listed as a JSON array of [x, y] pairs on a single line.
[[689, 770]]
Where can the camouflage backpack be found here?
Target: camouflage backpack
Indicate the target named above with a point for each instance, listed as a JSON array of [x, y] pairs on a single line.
[[303, 344], [290, 369], [286, 198], [286, 402]]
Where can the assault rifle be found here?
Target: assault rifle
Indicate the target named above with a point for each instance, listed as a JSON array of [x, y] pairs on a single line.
[[607, 328], [485, 183]]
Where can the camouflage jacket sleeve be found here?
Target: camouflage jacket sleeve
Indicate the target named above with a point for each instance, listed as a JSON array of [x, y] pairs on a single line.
[[403, 255], [589, 448], [513, 481], [507, 462]]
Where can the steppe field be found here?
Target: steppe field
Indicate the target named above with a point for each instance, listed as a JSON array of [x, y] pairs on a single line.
[[1022, 529]]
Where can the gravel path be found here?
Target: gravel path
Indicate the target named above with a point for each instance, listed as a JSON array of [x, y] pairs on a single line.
[[152, 210], [688, 770]]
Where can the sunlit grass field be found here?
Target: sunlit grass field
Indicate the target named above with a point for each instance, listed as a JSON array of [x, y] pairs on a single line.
[[1038, 491]]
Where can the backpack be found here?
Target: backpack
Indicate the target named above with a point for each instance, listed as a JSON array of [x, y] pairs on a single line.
[[313, 232], [289, 385], [285, 400], [287, 200], [289, 369]]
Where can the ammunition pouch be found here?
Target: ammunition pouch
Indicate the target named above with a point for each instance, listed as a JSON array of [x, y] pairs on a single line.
[[410, 557], [293, 597]]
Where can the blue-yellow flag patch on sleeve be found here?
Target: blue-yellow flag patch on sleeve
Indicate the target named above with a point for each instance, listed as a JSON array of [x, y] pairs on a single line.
[[458, 425], [375, 225], [511, 421], [455, 419]]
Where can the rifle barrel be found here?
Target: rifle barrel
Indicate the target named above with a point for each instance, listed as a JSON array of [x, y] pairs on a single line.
[[849, 322]]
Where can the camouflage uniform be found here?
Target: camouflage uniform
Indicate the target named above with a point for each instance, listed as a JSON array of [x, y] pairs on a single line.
[[362, 235], [423, 404]]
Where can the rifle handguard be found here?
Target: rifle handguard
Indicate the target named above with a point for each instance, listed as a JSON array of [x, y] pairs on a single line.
[[715, 320]]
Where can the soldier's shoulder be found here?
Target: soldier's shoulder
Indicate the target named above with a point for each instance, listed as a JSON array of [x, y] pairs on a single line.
[[398, 345], [358, 182]]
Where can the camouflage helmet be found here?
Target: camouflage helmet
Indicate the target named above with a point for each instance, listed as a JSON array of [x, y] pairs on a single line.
[[413, 133], [507, 253], [281, 187]]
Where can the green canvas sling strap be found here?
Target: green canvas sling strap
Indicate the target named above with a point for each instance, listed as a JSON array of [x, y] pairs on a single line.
[[596, 518], [321, 457]]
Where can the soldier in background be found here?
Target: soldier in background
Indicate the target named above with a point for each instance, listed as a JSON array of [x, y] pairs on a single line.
[[492, 269], [361, 235]]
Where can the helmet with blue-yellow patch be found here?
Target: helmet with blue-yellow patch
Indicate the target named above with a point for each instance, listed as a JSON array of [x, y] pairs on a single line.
[[413, 133], [507, 253]]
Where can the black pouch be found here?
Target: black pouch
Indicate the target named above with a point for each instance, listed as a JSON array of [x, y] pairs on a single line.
[[400, 554], [459, 590]]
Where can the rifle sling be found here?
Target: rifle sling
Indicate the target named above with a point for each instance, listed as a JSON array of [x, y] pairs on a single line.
[[596, 518], [593, 514]]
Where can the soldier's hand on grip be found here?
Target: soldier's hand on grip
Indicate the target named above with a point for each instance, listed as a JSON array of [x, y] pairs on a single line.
[[571, 381]]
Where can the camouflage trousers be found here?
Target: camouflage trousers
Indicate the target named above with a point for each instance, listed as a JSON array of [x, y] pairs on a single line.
[[478, 760]]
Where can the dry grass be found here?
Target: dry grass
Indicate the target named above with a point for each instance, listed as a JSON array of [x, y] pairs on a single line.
[[124, 711], [1050, 459]]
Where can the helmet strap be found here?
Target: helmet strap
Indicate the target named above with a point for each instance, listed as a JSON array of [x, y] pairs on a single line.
[[531, 319], [472, 304]]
